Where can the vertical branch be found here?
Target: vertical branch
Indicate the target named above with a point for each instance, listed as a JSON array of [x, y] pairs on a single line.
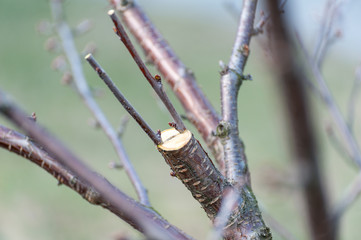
[[301, 129], [325, 37], [84, 91], [355, 91], [349, 140], [182, 81], [127, 106], [155, 82], [235, 159]]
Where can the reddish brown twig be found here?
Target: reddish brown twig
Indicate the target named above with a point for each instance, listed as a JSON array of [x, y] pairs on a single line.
[[299, 118], [155, 82], [192, 166], [127, 106], [198, 109], [67, 40], [140, 217]]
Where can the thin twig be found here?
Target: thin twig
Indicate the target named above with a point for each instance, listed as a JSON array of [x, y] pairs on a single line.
[[137, 215], [326, 37], [350, 196], [122, 126], [229, 203], [231, 80], [291, 84], [182, 81], [127, 106], [17, 143], [277, 226], [355, 91], [84, 91], [155, 82], [326, 95]]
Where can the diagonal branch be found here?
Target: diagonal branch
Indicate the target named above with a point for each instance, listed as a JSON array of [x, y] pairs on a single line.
[[198, 108], [290, 82], [231, 80], [84, 91], [348, 138], [353, 192], [155, 82], [127, 106], [137, 215]]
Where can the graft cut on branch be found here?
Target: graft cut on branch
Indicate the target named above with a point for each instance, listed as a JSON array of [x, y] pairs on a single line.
[[155, 82], [182, 81]]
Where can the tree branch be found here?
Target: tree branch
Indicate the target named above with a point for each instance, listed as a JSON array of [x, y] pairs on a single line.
[[198, 109], [231, 80], [355, 92], [301, 129], [326, 36], [67, 40], [155, 82], [127, 106], [350, 196], [229, 203], [140, 217], [353, 149]]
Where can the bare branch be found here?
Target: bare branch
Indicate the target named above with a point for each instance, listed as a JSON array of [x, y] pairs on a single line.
[[231, 80], [198, 109], [326, 36], [127, 106], [291, 84], [352, 193], [277, 226], [326, 95], [137, 215], [155, 82], [23, 146], [355, 91], [84, 91], [229, 203]]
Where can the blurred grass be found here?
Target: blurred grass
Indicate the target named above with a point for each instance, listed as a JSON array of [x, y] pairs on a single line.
[[32, 207]]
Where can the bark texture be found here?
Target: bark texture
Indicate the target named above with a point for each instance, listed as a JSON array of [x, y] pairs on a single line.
[[192, 165], [182, 81]]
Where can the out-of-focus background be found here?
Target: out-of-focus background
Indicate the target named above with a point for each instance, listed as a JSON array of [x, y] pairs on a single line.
[[32, 206]]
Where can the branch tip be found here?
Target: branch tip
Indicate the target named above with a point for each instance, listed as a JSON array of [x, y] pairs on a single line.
[[111, 12]]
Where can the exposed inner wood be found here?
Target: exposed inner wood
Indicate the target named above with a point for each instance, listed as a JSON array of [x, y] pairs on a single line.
[[174, 140]]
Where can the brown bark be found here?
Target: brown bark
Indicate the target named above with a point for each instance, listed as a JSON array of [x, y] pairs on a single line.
[[191, 164], [182, 81]]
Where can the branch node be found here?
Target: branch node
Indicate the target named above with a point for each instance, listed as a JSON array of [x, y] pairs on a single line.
[[247, 77], [223, 129], [158, 78], [244, 50], [125, 4], [114, 165]]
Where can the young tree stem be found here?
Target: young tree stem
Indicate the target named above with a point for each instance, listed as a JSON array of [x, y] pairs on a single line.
[[154, 82], [120, 97]]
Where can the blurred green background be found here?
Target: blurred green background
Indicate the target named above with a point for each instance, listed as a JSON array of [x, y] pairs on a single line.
[[31, 204]]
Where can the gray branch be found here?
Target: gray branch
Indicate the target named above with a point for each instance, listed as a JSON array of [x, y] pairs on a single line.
[[232, 77], [84, 91]]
